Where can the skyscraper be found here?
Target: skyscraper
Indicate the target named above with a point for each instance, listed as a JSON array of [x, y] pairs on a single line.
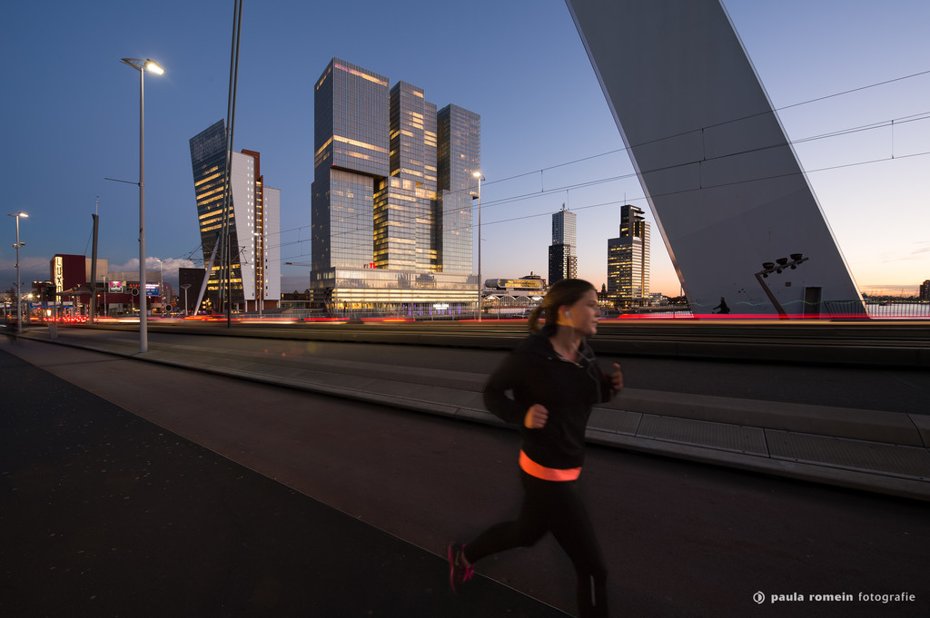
[[254, 233], [391, 198], [458, 156], [628, 259], [563, 262]]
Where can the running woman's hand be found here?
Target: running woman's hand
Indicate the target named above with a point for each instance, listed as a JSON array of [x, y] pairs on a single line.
[[616, 378], [536, 417]]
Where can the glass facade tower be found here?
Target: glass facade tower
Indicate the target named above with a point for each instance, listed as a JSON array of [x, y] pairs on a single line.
[[459, 155], [628, 259], [378, 230], [563, 261], [255, 270], [208, 159], [404, 202], [351, 141]]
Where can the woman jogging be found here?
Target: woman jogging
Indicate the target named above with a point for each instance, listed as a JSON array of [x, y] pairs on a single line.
[[554, 382]]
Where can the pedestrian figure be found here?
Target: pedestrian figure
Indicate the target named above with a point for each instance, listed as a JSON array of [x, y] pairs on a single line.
[[554, 382], [722, 307]]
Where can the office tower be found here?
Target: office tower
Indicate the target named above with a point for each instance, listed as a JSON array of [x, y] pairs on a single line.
[[563, 262], [403, 202], [628, 259], [458, 157], [391, 204], [254, 222]]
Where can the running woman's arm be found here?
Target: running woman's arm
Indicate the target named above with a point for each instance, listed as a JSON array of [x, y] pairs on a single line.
[[496, 399], [612, 383]]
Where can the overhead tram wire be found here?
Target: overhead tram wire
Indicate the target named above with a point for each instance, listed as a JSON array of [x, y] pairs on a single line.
[[858, 129], [725, 184], [684, 191], [719, 124]]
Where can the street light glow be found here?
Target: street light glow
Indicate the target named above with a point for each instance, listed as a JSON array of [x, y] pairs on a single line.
[[476, 173], [153, 67]]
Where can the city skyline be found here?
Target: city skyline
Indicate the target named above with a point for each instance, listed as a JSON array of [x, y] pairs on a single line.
[[530, 80]]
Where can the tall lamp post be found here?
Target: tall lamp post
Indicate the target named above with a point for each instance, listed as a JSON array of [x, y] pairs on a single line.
[[161, 281], [477, 175], [152, 67], [185, 287], [19, 283]]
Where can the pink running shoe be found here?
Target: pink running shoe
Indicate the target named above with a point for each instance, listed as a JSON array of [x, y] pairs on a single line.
[[459, 569]]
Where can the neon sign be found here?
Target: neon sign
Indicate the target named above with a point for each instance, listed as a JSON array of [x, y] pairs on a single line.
[[59, 274]]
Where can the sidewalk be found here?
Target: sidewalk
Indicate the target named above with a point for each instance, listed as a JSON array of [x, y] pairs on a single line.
[[871, 450]]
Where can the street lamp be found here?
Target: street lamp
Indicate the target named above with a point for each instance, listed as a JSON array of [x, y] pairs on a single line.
[[479, 177], [19, 283], [161, 282], [185, 287], [777, 267], [152, 67]]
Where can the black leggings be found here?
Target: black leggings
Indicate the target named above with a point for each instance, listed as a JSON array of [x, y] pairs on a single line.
[[553, 506]]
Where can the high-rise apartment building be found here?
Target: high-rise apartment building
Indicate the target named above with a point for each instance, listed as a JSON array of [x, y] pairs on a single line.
[[254, 220], [391, 196], [628, 259], [563, 261], [925, 290]]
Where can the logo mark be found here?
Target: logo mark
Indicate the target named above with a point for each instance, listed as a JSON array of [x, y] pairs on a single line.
[[759, 598]]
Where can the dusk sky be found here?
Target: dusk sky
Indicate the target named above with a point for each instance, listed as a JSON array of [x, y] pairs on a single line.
[[70, 119]]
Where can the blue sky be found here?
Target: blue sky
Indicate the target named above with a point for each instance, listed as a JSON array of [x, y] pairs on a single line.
[[70, 119]]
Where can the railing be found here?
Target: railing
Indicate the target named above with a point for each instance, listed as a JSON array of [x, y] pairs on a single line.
[[885, 310], [914, 310]]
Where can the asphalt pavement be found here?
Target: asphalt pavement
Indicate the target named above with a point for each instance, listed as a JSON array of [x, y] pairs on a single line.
[[680, 539], [103, 513]]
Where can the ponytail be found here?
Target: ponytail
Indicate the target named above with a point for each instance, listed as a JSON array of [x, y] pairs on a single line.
[[561, 293], [534, 318]]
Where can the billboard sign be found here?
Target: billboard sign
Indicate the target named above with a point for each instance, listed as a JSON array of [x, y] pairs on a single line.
[[59, 274]]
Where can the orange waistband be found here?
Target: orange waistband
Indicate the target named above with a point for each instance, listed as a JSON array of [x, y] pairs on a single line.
[[547, 474]]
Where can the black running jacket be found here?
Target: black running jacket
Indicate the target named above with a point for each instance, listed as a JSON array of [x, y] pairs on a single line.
[[534, 373]]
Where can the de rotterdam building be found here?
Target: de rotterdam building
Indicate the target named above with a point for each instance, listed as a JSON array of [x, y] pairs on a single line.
[[391, 197]]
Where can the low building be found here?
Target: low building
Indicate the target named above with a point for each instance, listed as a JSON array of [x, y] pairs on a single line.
[[530, 285], [509, 297]]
